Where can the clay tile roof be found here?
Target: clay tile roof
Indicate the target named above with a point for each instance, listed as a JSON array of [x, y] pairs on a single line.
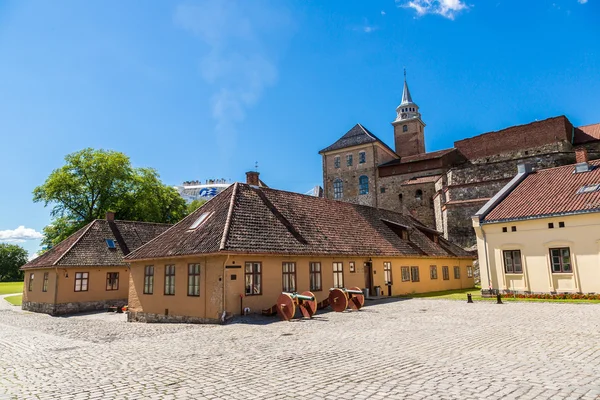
[[419, 157], [88, 245], [422, 179], [587, 133], [247, 219], [549, 192], [356, 136]]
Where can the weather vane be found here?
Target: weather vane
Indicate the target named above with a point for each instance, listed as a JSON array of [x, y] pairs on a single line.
[[256, 165]]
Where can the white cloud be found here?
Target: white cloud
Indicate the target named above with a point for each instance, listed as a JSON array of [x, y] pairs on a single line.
[[382, 12], [368, 29], [582, 1], [446, 8], [238, 59], [19, 235]]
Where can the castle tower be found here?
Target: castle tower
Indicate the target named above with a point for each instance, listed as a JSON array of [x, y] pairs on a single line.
[[409, 129]]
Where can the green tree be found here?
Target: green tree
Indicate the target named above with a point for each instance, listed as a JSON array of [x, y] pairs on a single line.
[[12, 257], [194, 205], [93, 182], [148, 199]]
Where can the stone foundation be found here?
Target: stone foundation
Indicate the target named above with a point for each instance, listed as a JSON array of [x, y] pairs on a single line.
[[157, 318], [72, 308]]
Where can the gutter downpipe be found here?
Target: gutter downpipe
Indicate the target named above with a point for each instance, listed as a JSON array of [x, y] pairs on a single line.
[[487, 260], [55, 290], [224, 291]]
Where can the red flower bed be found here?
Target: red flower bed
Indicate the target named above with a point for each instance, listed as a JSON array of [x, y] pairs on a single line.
[[558, 296]]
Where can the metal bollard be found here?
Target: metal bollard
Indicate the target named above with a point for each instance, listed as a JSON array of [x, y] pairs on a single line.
[[469, 298], [498, 299]]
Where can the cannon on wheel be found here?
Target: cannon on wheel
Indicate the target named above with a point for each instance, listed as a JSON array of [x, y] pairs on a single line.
[[341, 298], [287, 303]]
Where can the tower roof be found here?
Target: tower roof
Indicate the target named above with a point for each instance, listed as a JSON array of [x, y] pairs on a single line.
[[356, 136], [406, 98]]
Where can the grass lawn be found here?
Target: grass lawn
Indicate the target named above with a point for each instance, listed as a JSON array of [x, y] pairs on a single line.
[[11, 287], [461, 294], [15, 300]]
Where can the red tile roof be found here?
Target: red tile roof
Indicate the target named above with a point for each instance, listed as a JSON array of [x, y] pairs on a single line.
[[550, 192], [587, 133], [251, 220], [422, 179], [88, 245]]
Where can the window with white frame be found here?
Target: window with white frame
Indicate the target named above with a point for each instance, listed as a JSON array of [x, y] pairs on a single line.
[[469, 272], [336, 162], [348, 160], [362, 157]]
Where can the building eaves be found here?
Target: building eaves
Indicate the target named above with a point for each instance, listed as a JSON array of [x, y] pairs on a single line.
[[503, 193]]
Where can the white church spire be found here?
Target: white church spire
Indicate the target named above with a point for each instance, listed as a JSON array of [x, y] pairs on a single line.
[[407, 108]]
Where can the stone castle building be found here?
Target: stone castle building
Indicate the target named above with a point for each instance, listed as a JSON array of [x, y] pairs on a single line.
[[444, 188]]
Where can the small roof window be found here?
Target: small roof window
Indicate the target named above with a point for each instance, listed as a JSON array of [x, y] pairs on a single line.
[[110, 243], [589, 188], [201, 219]]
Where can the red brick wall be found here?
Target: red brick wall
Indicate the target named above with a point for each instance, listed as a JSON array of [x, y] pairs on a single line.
[[517, 137]]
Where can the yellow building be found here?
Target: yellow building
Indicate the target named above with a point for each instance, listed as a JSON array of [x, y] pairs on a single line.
[[541, 232], [86, 271], [248, 244]]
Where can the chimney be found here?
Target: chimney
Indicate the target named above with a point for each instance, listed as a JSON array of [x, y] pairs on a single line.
[[581, 159], [581, 155], [524, 168], [252, 178], [110, 216]]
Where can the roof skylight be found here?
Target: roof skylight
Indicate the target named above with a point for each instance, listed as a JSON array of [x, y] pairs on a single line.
[[589, 188], [201, 219], [110, 243]]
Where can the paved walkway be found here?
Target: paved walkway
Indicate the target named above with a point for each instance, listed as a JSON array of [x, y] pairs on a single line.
[[412, 349], [5, 305]]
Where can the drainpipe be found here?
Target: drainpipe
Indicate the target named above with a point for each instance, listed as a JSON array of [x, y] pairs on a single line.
[[375, 173], [55, 291], [487, 260], [224, 291]]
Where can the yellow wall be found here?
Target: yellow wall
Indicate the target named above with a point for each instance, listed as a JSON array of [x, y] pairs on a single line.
[[66, 285], [36, 295], [534, 239], [213, 271], [207, 305]]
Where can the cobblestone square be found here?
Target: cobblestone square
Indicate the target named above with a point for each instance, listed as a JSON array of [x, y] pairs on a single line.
[[396, 349]]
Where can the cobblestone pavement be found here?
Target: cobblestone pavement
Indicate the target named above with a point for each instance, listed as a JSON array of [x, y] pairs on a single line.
[[412, 349]]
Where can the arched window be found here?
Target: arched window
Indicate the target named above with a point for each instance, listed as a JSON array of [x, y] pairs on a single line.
[[419, 194], [338, 189], [404, 128], [363, 185]]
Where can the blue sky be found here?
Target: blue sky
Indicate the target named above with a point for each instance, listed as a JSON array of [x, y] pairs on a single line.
[[204, 89]]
